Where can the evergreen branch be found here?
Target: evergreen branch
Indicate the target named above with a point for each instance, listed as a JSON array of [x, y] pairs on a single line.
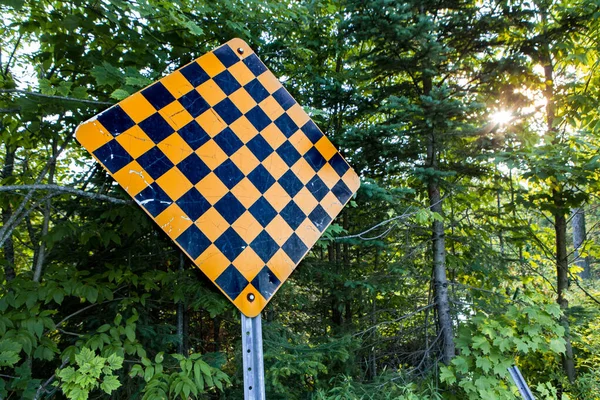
[[49, 96], [65, 189]]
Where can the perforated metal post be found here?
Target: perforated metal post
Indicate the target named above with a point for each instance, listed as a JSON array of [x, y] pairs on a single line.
[[520, 382], [254, 374]]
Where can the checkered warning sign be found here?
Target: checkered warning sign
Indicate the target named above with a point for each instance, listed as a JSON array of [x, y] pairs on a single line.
[[230, 166]]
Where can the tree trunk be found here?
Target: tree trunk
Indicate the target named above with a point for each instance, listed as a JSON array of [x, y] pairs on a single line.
[[579, 238], [181, 339], [9, 250], [440, 281]]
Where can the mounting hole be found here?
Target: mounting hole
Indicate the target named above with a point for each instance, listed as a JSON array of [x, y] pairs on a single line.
[[251, 297], [240, 50], [249, 369], [249, 387], [248, 351], [247, 332]]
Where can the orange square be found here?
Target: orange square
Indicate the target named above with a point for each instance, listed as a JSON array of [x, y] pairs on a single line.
[[275, 165], [308, 233], [243, 129], [173, 221], [250, 308], [277, 197], [303, 171], [92, 135], [328, 175], [212, 224], [351, 180], [137, 107], [241, 73], [245, 160], [269, 81], [211, 92], [133, 178], [305, 200], [212, 262], [211, 154], [176, 115], [298, 115], [248, 263], [212, 188], [135, 141], [177, 84], [175, 148], [273, 136], [301, 142], [211, 122], [331, 204], [281, 265], [247, 227], [211, 64], [174, 183], [271, 107], [326, 148], [279, 230], [246, 192], [242, 100]]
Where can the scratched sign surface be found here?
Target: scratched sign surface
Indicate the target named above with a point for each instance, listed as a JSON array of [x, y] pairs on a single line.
[[230, 166]]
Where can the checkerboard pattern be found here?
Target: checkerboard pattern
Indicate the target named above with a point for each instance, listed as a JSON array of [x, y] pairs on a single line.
[[230, 166]]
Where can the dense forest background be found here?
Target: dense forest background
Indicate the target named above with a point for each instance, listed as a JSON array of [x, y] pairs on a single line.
[[472, 244]]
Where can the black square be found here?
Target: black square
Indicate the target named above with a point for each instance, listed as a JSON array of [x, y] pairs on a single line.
[[115, 120], [226, 56], [295, 248], [194, 103], [256, 90], [258, 118], [284, 99], [153, 199], [341, 191], [194, 74], [264, 246], [230, 208], [259, 147], [227, 82], [193, 241], [193, 204], [263, 211], [261, 178], [286, 125], [228, 111], [229, 174], [312, 132], [155, 162], [315, 159], [158, 95], [293, 215], [194, 135], [230, 244], [156, 128], [290, 183], [288, 153], [113, 156], [339, 164], [232, 282], [317, 188], [193, 168], [228, 141], [255, 65], [320, 218], [266, 282]]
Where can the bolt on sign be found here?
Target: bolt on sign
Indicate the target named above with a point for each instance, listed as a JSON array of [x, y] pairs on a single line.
[[230, 167]]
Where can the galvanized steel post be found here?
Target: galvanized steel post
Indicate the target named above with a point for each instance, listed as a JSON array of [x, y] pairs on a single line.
[[254, 374]]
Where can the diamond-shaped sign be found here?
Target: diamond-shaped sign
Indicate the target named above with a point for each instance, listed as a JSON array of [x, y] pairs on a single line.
[[229, 165]]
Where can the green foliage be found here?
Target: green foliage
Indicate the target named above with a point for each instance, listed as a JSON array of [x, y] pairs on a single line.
[[91, 372]]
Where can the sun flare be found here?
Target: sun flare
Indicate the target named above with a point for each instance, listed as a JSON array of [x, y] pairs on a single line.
[[501, 117]]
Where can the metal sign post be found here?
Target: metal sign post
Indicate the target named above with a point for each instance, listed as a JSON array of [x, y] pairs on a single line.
[[254, 374], [520, 382]]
